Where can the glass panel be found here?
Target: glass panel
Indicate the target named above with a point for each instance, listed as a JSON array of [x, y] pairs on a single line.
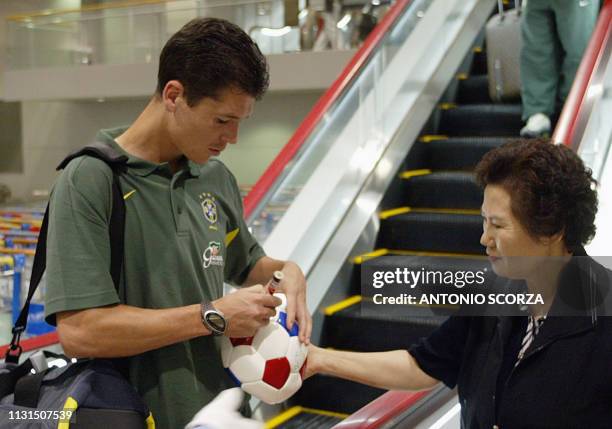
[[136, 33], [367, 115], [595, 151], [595, 145], [122, 35]]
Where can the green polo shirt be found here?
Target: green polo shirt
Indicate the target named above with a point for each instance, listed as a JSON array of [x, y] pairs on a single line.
[[184, 236]]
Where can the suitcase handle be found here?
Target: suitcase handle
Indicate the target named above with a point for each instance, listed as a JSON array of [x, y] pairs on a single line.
[[500, 6]]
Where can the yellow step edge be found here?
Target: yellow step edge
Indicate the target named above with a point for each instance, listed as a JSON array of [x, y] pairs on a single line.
[[356, 299], [403, 210], [447, 106], [427, 138], [446, 211], [462, 76], [477, 49], [370, 255], [413, 173], [326, 413], [436, 254], [295, 410], [406, 252], [283, 417], [393, 212]]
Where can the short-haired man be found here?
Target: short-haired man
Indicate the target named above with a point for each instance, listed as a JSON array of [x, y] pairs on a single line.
[[184, 234]]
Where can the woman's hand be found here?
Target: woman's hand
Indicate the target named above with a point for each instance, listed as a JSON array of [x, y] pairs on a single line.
[[396, 370], [314, 360]]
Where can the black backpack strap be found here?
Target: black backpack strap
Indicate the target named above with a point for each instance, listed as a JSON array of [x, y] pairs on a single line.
[[98, 150], [27, 390], [117, 162], [27, 387], [116, 231], [9, 378]]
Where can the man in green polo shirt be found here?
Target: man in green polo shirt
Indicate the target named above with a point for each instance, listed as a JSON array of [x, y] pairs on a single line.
[[184, 234]]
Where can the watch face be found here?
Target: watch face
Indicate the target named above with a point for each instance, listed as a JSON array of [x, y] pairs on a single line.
[[215, 321]]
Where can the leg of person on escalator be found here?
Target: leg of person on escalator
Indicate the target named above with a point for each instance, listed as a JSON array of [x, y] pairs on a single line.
[[555, 34]]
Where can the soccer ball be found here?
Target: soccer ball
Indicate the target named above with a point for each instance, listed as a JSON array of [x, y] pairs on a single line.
[[270, 364]]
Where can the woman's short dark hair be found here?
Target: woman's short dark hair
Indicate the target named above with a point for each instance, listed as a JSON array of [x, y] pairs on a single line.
[[552, 190], [208, 55]]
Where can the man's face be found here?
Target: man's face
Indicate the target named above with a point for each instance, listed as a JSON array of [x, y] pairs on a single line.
[[206, 129]]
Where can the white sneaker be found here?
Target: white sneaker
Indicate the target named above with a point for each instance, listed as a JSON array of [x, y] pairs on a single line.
[[538, 125]]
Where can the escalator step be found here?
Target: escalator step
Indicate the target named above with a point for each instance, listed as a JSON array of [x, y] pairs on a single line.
[[479, 62], [298, 417], [474, 89], [460, 153], [445, 189], [481, 120], [330, 393], [432, 231], [374, 331]]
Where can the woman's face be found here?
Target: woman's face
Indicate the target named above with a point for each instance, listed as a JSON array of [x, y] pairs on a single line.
[[513, 253]]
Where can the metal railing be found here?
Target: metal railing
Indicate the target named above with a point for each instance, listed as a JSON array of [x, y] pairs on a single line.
[[135, 31]]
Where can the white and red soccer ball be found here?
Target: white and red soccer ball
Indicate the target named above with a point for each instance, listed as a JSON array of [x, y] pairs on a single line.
[[270, 364]]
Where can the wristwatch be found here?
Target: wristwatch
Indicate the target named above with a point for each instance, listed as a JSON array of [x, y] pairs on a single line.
[[213, 319]]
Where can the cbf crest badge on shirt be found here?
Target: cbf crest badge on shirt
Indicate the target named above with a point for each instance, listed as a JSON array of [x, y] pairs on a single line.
[[209, 208]]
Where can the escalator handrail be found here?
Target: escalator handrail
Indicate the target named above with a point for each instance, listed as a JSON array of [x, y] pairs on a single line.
[[382, 409], [288, 152], [578, 107]]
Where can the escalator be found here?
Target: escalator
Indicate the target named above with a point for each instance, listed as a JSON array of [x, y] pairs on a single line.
[[429, 217]]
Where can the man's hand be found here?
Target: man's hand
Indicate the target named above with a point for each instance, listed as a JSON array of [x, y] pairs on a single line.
[[247, 309], [293, 286], [221, 413]]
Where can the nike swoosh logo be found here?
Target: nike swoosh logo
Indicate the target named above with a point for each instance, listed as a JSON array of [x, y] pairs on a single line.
[[230, 236], [129, 194]]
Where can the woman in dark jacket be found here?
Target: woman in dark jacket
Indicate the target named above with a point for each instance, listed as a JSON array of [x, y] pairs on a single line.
[[552, 366]]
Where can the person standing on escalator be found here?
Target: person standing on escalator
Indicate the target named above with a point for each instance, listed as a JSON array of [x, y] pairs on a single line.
[[555, 34]]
